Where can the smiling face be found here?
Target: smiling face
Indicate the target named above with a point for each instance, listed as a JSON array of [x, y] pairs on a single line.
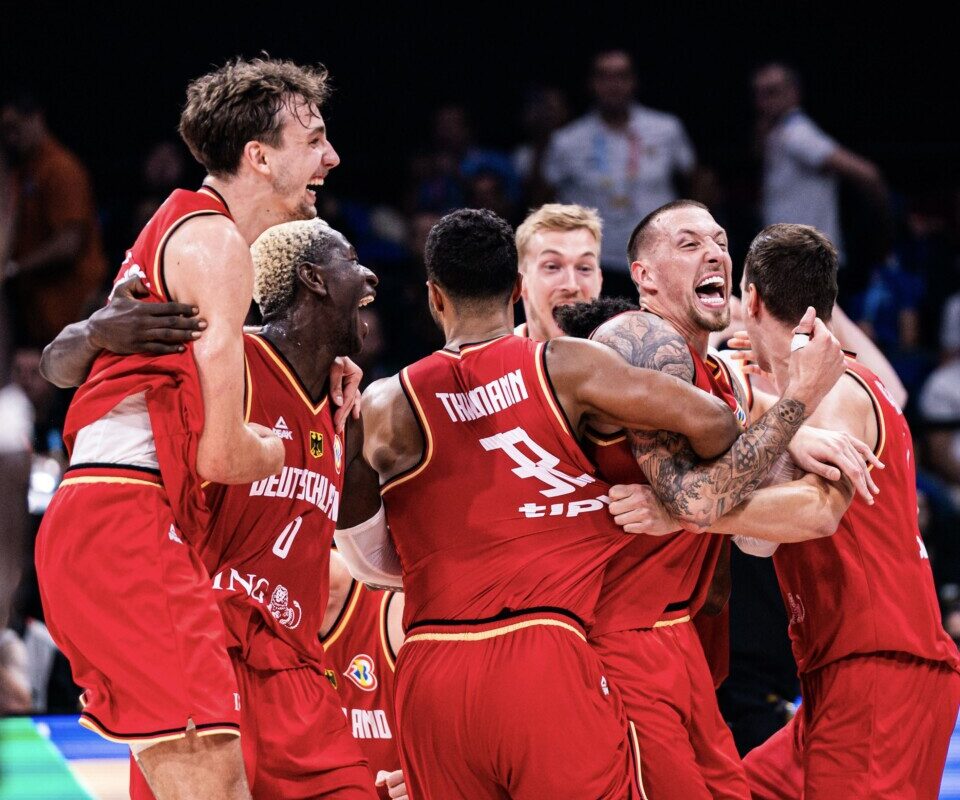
[[302, 160], [559, 268], [350, 287], [684, 270]]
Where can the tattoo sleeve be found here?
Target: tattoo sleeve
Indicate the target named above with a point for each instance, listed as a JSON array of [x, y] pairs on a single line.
[[694, 491]]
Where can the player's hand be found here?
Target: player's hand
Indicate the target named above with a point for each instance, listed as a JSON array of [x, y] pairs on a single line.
[[636, 509], [831, 453], [272, 444], [743, 351], [816, 365], [345, 377], [396, 787], [128, 325]]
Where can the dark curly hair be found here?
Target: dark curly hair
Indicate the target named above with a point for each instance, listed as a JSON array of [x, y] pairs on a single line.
[[582, 319], [472, 255]]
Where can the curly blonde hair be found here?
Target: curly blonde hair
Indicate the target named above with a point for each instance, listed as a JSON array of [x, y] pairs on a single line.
[[277, 253]]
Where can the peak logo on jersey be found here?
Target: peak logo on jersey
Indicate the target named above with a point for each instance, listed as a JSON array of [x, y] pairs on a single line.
[[280, 429], [287, 615], [316, 444], [337, 453], [361, 672], [172, 535]]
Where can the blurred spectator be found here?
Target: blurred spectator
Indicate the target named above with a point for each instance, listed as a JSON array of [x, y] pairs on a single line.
[[940, 409], [56, 260], [164, 169], [544, 111], [442, 176], [622, 159], [801, 163]]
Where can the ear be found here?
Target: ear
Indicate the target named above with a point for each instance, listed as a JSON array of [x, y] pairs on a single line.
[[751, 301], [517, 289], [642, 279], [435, 296], [255, 155], [311, 277]]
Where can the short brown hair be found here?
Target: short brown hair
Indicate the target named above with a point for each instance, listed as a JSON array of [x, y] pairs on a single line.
[[638, 238], [558, 217], [241, 102], [793, 267]]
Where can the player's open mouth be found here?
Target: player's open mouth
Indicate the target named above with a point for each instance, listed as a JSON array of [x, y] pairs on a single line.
[[315, 186], [367, 299], [711, 292]]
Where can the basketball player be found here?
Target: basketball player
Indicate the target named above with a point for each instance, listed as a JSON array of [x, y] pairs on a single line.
[[559, 251], [502, 533], [268, 540], [878, 672], [653, 588], [361, 636], [126, 595]]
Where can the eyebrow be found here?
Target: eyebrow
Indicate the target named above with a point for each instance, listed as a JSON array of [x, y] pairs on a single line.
[[550, 251], [691, 232]]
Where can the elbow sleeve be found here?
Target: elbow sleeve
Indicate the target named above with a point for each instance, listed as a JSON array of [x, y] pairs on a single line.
[[369, 552]]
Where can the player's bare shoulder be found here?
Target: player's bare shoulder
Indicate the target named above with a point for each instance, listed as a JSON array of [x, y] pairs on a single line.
[[848, 407], [392, 438], [646, 340], [205, 252]]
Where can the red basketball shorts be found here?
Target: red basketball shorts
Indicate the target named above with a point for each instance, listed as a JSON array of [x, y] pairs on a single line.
[[686, 749], [129, 603], [296, 743], [873, 726], [518, 707]]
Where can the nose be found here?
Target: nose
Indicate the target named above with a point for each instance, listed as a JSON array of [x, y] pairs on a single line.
[[331, 158], [370, 277], [569, 281], [713, 252]]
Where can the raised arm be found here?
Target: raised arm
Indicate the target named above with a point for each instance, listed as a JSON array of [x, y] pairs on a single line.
[[207, 264], [594, 384], [698, 492], [124, 325]]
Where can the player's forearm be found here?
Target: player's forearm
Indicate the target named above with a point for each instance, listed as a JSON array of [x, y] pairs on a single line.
[[790, 512], [66, 361], [238, 457], [698, 493], [652, 400]]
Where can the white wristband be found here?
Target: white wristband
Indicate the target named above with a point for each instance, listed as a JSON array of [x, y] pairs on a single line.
[[799, 340], [369, 553]]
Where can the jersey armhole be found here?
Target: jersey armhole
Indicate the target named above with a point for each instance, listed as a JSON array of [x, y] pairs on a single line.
[[336, 630], [877, 414], [388, 652], [427, 455], [159, 274]]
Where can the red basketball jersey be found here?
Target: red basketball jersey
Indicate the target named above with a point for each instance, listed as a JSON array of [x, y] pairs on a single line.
[[170, 383], [358, 653], [869, 587], [268, 549], [503, 512], [656, 574]]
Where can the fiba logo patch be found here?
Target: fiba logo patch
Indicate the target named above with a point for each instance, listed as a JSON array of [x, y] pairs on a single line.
[[337, 453], [287, 615], [361, 672], [741, 416]]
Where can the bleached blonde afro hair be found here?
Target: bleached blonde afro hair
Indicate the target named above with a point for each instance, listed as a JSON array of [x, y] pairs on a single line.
[[277, 253]]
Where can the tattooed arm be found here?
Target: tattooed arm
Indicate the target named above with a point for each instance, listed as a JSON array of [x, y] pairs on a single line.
[[698, 492]]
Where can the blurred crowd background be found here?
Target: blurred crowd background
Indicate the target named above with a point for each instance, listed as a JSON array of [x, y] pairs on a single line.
[[809, 117]]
